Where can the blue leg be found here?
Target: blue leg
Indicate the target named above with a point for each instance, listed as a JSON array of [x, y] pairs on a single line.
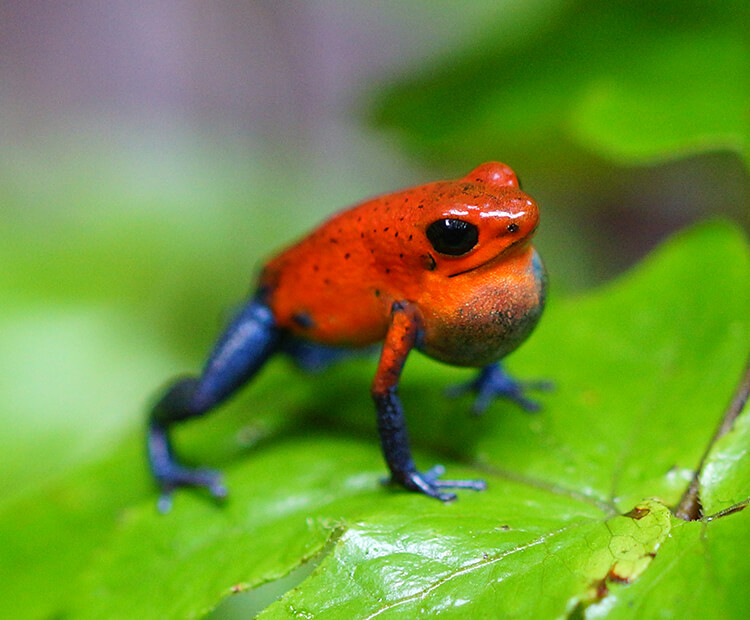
[[240, 352], [492, 381]]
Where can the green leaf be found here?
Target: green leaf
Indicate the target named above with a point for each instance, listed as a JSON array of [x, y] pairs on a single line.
[[653, 110], [630, 81], [575, 520], [444, 565], [700, 571], [725, 478]]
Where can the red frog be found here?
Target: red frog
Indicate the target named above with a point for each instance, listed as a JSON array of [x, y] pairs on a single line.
[[445, 268]]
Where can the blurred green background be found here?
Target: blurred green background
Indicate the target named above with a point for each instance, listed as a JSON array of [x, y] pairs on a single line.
[[151, 156]]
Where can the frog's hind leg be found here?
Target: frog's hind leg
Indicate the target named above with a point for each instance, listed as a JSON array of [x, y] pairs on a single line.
[[251, 338]]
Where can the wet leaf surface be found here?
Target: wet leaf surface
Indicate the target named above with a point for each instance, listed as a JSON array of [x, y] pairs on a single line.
[[575, 520]]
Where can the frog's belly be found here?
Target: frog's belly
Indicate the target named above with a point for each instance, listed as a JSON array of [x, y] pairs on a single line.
[[486, 325]]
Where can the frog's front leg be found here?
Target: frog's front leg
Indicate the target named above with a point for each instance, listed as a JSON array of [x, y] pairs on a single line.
[[492, 382], [401, 338], [245, 346]]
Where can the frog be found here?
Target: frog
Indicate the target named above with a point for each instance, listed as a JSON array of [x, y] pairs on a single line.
[[446, 268]]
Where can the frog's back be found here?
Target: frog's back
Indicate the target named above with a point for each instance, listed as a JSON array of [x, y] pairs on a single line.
[[337, 285]]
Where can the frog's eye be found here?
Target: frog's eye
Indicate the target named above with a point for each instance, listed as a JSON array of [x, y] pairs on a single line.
[[453, 237]]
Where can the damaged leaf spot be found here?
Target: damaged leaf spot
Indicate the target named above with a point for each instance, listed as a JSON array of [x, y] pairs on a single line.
[[614, 577], [634, 539], [637, 513]]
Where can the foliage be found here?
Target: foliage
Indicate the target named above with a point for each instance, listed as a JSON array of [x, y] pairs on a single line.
[[575, 520], [108, 290], [633, 82]]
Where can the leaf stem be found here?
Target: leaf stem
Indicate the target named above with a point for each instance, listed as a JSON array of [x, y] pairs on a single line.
[[689, 508]]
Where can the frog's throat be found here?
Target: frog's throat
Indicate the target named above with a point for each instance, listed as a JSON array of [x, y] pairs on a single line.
[[516, 244]]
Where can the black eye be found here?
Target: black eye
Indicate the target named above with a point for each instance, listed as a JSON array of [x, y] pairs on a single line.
[[452, 237], [512, 228]]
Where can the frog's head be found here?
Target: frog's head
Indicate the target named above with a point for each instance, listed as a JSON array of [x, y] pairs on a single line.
[[479, 220]]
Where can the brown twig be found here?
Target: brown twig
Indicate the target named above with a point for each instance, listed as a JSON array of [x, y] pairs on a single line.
[[689, 508]]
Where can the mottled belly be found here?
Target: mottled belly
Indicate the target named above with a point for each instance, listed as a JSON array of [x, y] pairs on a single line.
[[488, 324]]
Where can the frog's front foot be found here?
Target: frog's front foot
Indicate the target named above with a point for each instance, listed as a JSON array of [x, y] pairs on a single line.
[[492, 381], [429, 483]]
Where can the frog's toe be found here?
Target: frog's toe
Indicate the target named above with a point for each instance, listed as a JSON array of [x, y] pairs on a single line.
[[527, 404], [484, 394], [539, 386], [429, 483], [517, 393], [459, 389]]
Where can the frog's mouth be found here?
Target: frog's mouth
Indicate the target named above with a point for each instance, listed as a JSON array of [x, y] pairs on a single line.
[[510, 249]]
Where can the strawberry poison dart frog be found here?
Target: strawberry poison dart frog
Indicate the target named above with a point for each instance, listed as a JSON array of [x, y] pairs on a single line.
[[445, 268]]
